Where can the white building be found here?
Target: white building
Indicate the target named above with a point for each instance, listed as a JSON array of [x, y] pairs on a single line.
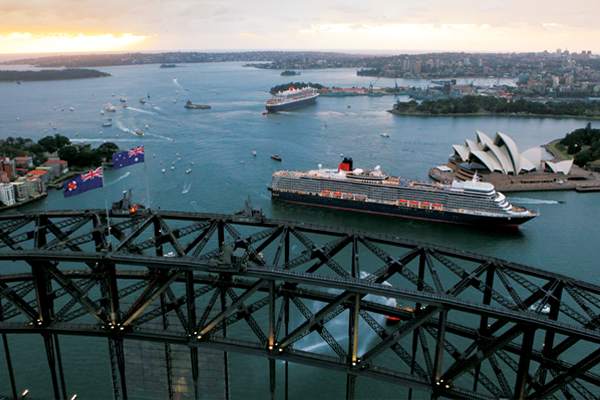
[[7, 194]]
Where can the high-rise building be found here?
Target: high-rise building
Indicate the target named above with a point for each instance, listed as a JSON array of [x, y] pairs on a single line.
[[417, 67]]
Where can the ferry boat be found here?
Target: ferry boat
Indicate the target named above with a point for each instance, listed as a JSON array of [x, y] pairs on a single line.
[[292, 99], [192, 106], [372, 191]]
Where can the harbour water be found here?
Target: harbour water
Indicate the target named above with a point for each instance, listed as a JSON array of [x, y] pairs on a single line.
[[218, 144]]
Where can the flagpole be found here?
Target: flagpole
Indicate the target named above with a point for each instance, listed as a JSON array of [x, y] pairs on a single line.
[[106, 205], [146, 172]]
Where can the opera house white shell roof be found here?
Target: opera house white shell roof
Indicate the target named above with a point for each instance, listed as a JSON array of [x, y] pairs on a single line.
[[562, 167], [500, 155]]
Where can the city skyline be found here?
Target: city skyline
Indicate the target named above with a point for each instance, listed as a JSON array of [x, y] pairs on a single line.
[[66, 26]]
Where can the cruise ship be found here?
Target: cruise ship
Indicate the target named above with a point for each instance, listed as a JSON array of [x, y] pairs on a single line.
[[292, 99], [372, 191]]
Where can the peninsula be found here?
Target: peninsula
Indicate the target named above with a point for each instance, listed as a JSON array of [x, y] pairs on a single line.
[[50, 75], [498, 106]]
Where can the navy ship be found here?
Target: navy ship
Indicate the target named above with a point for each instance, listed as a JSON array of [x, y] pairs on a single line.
[[373, 191], [292, 99]]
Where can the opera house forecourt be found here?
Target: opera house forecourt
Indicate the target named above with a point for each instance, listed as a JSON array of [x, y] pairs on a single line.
[[500, 162]]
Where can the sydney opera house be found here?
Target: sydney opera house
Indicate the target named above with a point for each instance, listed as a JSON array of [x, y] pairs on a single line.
[[502, 155], [500, 162]]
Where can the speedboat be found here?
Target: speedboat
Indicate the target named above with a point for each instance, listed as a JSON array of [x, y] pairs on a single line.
[[384, 134], [276, 157], [107, 123]]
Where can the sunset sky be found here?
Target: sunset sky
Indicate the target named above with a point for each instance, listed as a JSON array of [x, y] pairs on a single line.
[[392, 26]]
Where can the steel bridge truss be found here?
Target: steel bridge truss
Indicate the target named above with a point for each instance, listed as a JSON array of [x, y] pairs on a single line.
[[429, 319]]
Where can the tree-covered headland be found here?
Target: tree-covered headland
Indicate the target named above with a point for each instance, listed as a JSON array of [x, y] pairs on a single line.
[[50, 75], [492, 105], [295, 85], [583, 144], [78, 156]]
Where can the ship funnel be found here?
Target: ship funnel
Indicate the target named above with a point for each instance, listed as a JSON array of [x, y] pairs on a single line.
[[346, 164]]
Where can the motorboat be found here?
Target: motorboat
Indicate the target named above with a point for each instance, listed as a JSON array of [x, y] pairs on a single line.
[[276, 157]]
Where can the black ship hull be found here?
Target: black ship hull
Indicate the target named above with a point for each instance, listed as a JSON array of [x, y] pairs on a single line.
[[291, 105], [399, 211]]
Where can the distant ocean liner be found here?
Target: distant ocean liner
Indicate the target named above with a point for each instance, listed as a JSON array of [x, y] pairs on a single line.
[[462, 202], [291, 99]]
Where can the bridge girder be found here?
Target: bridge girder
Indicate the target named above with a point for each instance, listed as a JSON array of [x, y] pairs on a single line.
[[470, 325]]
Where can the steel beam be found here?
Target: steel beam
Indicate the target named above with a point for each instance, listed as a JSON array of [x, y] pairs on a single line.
[[524, 360]]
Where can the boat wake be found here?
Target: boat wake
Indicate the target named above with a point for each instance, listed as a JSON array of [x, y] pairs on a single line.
[[186, 188], [524, 200], [159, 136], [177, 83], [123, 128], [119, 179], [140, 110]]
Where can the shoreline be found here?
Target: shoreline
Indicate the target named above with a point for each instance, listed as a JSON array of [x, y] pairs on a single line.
[[25, 202], [495, 115]]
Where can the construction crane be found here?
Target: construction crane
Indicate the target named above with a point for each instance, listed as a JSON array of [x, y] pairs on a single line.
[[371, 85]]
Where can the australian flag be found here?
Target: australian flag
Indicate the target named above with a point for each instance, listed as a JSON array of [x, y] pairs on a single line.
[[84, 182], [129, 157]]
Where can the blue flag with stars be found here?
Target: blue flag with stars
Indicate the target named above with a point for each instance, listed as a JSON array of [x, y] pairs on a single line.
[[129, 157]]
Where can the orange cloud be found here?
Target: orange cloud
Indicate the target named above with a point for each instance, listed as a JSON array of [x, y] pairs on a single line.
[[28, 42]]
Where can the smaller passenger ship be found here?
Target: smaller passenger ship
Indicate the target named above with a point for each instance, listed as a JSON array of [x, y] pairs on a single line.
[[110, 107], [292, 99]]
